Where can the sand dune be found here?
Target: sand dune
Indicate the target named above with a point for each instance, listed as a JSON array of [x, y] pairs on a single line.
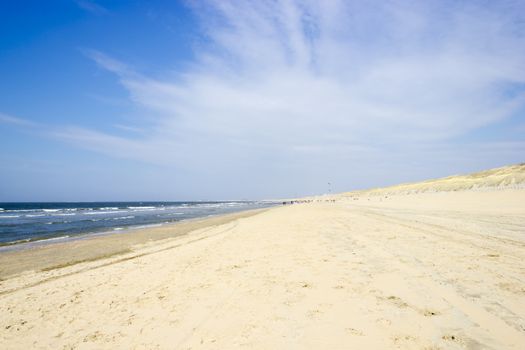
[[512, 176], [426, 267]]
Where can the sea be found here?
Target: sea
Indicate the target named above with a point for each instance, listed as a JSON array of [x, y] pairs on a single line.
[[42, 223]]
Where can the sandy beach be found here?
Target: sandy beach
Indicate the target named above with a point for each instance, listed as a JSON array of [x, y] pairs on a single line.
[[372, 270], [264, 174]]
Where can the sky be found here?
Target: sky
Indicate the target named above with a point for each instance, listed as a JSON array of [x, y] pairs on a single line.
[[219, 99]]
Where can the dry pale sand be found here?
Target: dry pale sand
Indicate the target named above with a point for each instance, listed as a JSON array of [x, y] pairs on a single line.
[[439, 270]]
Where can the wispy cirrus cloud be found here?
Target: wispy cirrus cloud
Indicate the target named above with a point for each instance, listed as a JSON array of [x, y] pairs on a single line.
[[92, 7], [108, 63], [16, 121], [286, 86]]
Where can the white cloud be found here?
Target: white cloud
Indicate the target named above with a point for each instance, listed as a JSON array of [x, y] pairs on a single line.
[[289, 82]]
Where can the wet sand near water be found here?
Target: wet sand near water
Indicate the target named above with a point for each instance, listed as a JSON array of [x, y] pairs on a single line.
[[93, 247]]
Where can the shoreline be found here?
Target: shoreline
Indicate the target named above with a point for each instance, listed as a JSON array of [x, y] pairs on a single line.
[[47, 222], [44, 254], [63, 237]]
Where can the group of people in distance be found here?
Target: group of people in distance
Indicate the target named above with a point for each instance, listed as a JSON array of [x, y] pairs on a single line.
[[299, 201]]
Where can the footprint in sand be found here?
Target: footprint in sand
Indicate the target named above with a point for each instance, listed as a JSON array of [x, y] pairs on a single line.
[[404, 338], [384, 321], [314, 313], [512, 287], [354, 331], [463, 341], [396, 301], [430, 313], [306, 285]]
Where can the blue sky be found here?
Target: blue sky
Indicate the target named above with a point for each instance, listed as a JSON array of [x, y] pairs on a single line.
[[167, 100]]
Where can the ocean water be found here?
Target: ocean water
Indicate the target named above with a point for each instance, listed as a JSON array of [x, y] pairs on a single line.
[[29, 222]]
